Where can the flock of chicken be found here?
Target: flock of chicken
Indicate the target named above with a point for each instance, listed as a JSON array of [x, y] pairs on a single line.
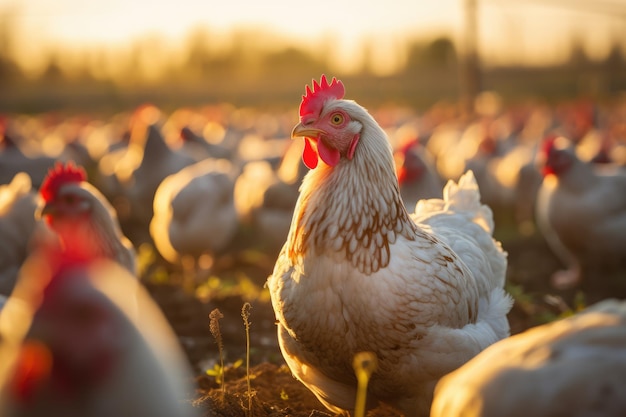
[[383, 228]]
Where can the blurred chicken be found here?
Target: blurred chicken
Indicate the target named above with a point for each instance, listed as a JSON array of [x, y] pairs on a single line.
[[157, 162], [200, 138], [13, 160], [417, 177], [194, 213], [71, 345], [82, 216], [265, 198], [197, 144], [572, 367], [517, 178], [147, 160], [581, 211], [18, 203], [357, 273]]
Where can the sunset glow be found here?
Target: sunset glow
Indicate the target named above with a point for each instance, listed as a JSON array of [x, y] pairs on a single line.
[[509, 31]]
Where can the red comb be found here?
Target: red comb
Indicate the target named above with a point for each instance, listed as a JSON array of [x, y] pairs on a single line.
[[313, 101], [58, 175], [548, 143], [408, 145]]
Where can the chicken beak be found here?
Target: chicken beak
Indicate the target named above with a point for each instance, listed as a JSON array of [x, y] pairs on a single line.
[[300, 131], [46, 210], [46, 213]]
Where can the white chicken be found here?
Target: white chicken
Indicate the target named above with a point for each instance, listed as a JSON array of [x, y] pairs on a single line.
[[265, 198], [581, 211], [194, 212], [71, 345], [13, 160], [82, 217], [18, 203], [146, 162], [358, 274], [572, 367]]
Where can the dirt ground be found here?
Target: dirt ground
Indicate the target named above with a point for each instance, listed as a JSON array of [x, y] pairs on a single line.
[[273, 390]]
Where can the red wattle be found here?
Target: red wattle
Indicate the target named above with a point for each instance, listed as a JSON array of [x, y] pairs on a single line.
[[329, 155], [309, 155]]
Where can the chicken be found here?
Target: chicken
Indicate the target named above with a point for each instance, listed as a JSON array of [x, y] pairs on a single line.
[[198, 144], [194, 212], [82, 216], [13, 160], [417, 176], [19, 231], [265, 198], [199, 136], [572, 367], [581, 212], [158, 161], [72, 347], [358, 274], [139, 169]]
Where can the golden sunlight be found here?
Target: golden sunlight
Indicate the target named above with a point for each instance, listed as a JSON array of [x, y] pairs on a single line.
[[352, 33]]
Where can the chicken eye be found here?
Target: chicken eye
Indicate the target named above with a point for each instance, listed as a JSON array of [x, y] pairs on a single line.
[[70, 199], [336, 119]]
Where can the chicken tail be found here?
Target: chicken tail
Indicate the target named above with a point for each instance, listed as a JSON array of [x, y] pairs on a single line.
[[464, 197], [467, 226]]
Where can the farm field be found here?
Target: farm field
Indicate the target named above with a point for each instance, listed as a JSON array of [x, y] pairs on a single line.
[[238, 269]]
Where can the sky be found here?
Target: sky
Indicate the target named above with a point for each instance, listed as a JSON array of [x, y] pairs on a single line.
[[509, 29], [91, 20]]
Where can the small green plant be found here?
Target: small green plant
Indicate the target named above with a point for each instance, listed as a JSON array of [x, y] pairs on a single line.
[[365, 364], [214, 326], [580, 302], [245, 314], [217, 372], [283, 395]]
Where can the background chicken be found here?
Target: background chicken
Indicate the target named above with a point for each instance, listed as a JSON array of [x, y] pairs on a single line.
[[572, 367], [18, 202], [82, 217], [140, 168], [358, 274], [196, 144], [265, 197], [581, 211], [13, 160], [72, 346], [194, 213], [417, 176]]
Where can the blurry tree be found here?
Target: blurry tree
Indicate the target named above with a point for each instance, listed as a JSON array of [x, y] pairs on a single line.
[[615, 60], [290, 62], [53, 74], [614, 67], [254, 65], [578, 56], [368, 55], [438, 54], [198, 60], [145, 62], [441, 53]]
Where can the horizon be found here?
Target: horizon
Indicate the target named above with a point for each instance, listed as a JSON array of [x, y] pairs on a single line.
[[508, 32]]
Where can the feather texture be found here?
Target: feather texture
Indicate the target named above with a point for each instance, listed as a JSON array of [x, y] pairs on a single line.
[[571, 367], [357, 273]]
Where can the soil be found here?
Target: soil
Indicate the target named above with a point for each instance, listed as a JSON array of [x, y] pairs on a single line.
[[273, 390]]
